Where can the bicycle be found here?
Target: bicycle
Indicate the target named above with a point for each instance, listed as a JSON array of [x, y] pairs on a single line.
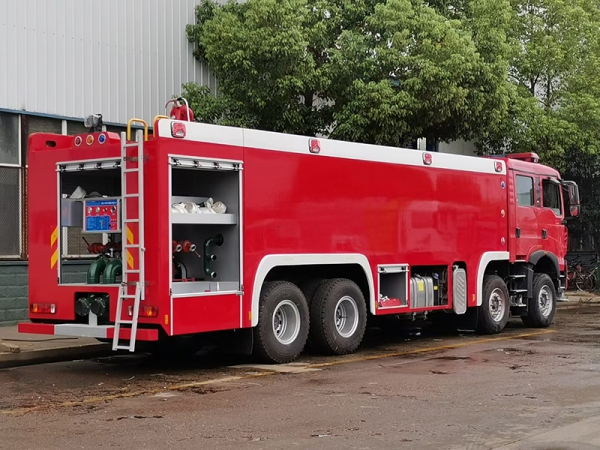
[[581, 278]]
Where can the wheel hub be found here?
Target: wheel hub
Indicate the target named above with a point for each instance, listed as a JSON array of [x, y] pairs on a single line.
[[286, 322], [346, 316], [545, 301], [497, 305]]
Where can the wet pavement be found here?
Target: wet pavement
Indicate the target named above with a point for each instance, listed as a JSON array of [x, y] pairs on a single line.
[[412, 389]]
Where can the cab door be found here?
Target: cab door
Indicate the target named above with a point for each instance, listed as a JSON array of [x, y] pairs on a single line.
[[525, 235], [553, 231]]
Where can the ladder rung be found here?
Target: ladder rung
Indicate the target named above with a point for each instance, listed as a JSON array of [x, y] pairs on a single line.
[[122, 347], [132, 271], [130, 170], [131, 220], [131, 246], [126, 322], [128, 296], [133, 144], [131, 195]]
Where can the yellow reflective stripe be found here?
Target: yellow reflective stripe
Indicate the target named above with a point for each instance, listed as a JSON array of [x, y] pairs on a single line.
[[129, 260], [54, 259], [129, 236], [54, 237]]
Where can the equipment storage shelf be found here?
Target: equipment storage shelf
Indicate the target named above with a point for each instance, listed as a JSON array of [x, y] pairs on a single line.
[[206, 253], [203, 219]]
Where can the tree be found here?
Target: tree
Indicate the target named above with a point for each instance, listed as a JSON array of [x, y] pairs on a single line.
[[553, 62], [385, 72]]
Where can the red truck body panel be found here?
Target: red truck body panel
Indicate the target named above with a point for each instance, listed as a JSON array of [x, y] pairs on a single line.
[[388, 206]]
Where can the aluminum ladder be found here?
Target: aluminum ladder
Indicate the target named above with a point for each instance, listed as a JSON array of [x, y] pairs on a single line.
[[131, 250]]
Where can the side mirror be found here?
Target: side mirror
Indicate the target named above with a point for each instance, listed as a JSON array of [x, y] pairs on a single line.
[[571, 199]]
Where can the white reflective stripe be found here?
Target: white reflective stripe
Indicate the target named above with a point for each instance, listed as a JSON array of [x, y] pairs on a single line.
[[70, 329], [486, 258], [290, 143], [271, 261]]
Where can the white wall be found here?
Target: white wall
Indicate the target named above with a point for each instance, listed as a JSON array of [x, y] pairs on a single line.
[[72, 58]]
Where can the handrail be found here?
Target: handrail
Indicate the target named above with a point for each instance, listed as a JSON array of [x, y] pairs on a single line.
[[154, 123], [129, 128]]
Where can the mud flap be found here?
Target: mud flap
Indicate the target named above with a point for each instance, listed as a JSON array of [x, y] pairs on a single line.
[[467, 321], [240, 341]]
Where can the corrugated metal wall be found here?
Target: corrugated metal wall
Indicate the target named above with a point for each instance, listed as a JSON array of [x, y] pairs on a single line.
[[73, 58]]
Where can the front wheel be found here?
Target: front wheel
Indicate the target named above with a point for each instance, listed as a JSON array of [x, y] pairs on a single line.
[[494, 311], [542, 306], [283, 323]]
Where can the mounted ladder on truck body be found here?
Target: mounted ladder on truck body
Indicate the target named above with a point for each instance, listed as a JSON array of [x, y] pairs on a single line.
[[132, 185]]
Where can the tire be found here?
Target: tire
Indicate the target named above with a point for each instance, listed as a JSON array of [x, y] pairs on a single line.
[[309, 288], [283, 323], [542, 307], [494, 311], [338, 317]]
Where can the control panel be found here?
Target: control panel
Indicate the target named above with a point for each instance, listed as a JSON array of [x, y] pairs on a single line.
[[102, 215]]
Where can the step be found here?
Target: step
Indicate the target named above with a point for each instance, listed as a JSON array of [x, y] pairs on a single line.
[[122, 347], [518, 276], [518, 290]]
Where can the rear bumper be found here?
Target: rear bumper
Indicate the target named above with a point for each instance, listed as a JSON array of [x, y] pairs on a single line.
[[83, 330]]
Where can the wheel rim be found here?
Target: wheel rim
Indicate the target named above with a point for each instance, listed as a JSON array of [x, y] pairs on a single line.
[[497, 305], [346, 316], [286, 322], [545, 301]]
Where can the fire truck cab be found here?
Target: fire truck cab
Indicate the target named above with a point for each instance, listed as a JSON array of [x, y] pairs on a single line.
[[279, 239]]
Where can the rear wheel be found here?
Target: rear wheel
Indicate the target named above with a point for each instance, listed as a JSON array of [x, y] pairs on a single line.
[[494, 311], [283, 322], [542, 306], [338, 317], [309, 288]]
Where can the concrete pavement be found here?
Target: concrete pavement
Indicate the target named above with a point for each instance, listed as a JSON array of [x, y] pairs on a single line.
[[17, 349]]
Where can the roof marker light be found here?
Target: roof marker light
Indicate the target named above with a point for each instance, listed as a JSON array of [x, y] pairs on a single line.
[[498, 166], [427, 159], [178, 129], [314, 146], [102, 138], [78, 140], [89, 140]]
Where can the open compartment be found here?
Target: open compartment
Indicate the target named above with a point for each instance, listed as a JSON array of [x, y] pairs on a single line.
[[89, 240], [205, 227], [393, 286]]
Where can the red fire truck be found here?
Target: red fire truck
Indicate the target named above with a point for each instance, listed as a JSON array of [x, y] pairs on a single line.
[[281, 239]]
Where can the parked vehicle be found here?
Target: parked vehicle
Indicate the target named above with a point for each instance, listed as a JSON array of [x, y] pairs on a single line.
[[279, 238]]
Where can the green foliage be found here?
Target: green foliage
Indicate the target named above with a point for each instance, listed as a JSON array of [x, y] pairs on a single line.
[[369, 71]]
